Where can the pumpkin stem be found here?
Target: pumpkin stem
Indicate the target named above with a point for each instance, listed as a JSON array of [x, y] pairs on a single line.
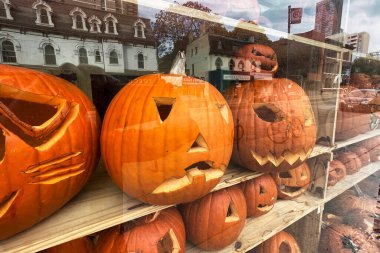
[[179, 64]]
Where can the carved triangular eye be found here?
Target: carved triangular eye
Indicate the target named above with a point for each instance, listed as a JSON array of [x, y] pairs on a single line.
[[262, 190], [231, 214], [199, 145], [164, 107], [224, 111]]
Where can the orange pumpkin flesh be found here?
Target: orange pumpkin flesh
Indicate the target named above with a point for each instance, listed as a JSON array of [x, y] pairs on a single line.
[[260, 194], [49, 146], [167, 139], [292, 183], [160, 232], [274, 125], [280, 243], [81, 245], [216, 220]]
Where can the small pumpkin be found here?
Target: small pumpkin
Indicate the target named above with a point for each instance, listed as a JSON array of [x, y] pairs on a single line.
[[362, 154], [292, 183], [373, 146], [48, 146], [216, 220], [274, 125], [263, 59], [351, 161], [346, 202], [280, 243], [337, 172], [260, 195], [167, 138], [80, 245], [160, 232]]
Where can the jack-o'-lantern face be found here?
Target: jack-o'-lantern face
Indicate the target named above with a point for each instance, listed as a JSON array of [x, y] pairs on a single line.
[[260, 194], [167, 139], [274, 125], [263, 58], [48, 146], [292, 183]]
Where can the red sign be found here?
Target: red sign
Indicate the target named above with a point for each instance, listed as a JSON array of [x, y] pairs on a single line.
[[295, 15]]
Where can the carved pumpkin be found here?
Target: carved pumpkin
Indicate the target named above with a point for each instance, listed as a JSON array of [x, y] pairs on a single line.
[[362, 154], [48, 146], [260, 195], [279, 243], [81, 245], [216, 220], [274, 125], [292, 183], [262, 58], [345, 239], [160, 232], [351, 161], [373, 146], [337, 171], [167, 139]]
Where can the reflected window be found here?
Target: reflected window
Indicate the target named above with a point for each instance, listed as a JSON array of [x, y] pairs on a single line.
[[95, 24], [139, 26], [44, 16], [3, 12], [43, 13], [110, 23], [98, 58], [231, 64], [49, 55], [114, 59], [8, 52], [220, 45], [140, 61], [79, 19], [218, 63], [83, 56]]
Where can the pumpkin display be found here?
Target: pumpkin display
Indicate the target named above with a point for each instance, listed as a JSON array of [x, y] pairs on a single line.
[[260, 195], [262, 58], [282, 242], [167, 138], [274, 125], [373, 146], [351, 161], [160, 232], [362, 154], [292, 183], [216, 220], [81, 245], [337, 172], [48, 146], [344, 203], [345, 239]]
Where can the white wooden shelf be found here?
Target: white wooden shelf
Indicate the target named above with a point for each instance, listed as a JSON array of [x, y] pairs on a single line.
[[356, 139]]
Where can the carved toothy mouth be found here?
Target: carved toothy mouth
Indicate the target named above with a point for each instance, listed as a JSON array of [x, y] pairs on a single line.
[[52, 171], [204, 169], [264, 208], [287, 156], [6, 202]]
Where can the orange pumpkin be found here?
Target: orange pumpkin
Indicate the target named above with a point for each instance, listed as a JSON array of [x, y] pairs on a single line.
[[260, 195], [274, 125], [292, 183], [337, 171], [373, 147], [362, 154], [167, 139], [160, 232], [263, 58], [216, 220], [48, 146], [279, 243], [81, 245], [351, 161]]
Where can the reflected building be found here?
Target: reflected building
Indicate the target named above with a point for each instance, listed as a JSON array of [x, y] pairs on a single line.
[[328, 17]]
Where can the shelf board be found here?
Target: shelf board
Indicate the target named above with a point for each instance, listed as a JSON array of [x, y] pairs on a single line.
[[351, 180], [257, 230], [361, 137], [319, 150], [100, 205]]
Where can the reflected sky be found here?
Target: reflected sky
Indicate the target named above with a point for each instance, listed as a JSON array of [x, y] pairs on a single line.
[[357, 15]]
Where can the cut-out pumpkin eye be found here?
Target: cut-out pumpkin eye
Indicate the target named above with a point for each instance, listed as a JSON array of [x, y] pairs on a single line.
[[285, 248], [223, 110], [199, 145], [164, 107], [269, 112], [262, 190], [285, 174]]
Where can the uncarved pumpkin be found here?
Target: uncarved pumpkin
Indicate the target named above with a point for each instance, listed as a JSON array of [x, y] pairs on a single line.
[[81, 245], [282, 242], [351, 161], [373, 146], [274, 125], [362, 154], [346, 202], [260, 195], [167, 139], [161, 232], [292, 183], [337, 172], [262, 58], [48, 146], [216, 220]]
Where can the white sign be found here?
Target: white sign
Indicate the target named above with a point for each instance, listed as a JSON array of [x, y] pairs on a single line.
[[237, 77]]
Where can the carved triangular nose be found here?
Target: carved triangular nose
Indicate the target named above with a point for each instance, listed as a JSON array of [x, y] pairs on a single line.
[[199, 145]]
